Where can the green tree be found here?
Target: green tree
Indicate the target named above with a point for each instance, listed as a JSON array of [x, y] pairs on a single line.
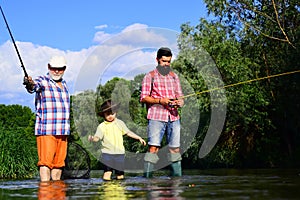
[[248, 40], [246, 119], [268, 32]]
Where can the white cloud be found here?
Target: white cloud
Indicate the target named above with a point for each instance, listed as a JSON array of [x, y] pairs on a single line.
[[103, 26], [101, 36], [35, 59], [126, 54], [135, 27]]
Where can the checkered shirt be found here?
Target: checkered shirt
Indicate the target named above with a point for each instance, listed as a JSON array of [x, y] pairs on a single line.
[[52, 107], [162, 87]]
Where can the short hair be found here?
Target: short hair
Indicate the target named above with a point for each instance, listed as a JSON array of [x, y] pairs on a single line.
[[164, 51]]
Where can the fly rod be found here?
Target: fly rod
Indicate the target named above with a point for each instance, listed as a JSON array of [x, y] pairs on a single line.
[[239, 83]]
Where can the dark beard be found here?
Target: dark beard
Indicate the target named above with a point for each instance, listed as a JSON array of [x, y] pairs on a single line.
[[163, 70]]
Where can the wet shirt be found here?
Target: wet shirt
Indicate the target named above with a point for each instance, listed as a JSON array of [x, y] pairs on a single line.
[[111, 136], [52, 107], [159, 86]]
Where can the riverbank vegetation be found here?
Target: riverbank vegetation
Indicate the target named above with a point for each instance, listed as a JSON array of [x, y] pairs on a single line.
[[245, 40], [18, 155]]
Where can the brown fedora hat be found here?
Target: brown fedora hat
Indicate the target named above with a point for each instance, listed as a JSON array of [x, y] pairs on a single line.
[[108, 106]]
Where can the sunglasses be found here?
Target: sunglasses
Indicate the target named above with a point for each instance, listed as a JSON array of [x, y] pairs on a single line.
[[57, 68]]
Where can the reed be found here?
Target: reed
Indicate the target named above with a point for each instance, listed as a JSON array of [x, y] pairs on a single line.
[[18, 155]]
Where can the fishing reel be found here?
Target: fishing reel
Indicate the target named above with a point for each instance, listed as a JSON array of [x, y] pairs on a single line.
[[172, 103]]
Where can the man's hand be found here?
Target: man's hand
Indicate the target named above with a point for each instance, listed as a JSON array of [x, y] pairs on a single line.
[[175, 103], [179, 102], [29, 84]]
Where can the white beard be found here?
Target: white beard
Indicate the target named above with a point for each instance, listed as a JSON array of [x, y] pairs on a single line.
[[56, 77]]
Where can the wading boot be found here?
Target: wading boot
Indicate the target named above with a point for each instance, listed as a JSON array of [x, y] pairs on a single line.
[[148, 169], [176, 168], [175, 159], [150, 160]]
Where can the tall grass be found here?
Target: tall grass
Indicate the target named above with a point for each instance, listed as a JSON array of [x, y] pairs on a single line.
[[18, 154]]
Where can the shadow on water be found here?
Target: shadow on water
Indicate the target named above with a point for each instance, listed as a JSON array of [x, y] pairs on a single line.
[[194, 184]]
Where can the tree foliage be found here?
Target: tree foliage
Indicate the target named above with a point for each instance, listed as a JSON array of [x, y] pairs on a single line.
[[248, 40]]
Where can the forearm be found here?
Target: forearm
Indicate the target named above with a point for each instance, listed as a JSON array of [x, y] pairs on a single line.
[[151, 100], [133, 135]]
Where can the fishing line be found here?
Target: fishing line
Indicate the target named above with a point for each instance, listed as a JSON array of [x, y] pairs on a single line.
[[240, 83]]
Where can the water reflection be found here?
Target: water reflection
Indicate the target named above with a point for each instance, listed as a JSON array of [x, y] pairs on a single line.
[[112, 190], [55, 190], [194, 184], [168, 189]]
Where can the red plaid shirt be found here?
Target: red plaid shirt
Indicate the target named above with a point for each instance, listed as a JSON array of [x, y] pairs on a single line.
[[161, 87]]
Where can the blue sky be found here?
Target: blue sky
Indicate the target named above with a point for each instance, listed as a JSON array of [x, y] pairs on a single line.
[[100, 39]]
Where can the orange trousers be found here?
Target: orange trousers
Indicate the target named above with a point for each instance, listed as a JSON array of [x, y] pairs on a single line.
[[52, 150]]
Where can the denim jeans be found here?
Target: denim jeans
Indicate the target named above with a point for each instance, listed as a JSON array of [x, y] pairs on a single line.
[[157, 129]]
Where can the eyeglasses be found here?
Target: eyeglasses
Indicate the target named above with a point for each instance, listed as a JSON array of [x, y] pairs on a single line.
[[57, 68]]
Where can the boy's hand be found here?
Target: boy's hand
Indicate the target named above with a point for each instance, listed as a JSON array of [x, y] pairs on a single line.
[[142, 141], [91, 138]]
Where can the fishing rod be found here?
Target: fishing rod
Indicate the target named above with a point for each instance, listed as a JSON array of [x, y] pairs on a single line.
[[25, 81], [13, 40], [239, 83]]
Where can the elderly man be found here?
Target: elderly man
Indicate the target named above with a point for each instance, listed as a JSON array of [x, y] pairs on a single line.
[[52, 125]]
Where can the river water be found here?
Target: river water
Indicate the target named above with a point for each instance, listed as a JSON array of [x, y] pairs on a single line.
[[194, 184]]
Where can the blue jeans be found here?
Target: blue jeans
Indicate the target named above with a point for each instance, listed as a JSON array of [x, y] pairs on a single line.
[[157, 129]]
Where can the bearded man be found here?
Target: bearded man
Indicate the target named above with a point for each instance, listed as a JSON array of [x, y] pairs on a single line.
[[161, 91]]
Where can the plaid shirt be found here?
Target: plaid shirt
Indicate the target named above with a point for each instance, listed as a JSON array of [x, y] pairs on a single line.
[[52, 107], [161, 87]]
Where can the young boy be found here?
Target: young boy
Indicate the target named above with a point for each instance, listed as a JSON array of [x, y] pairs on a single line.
[[110, 133]]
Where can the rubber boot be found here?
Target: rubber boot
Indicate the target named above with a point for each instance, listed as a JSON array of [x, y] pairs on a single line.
[[148, 169], [150, 160], [176, 168]]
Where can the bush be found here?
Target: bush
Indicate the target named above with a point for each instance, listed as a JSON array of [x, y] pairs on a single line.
[[18, 154]]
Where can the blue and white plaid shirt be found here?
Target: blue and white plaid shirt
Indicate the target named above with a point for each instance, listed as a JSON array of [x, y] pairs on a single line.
[[52, 107]]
